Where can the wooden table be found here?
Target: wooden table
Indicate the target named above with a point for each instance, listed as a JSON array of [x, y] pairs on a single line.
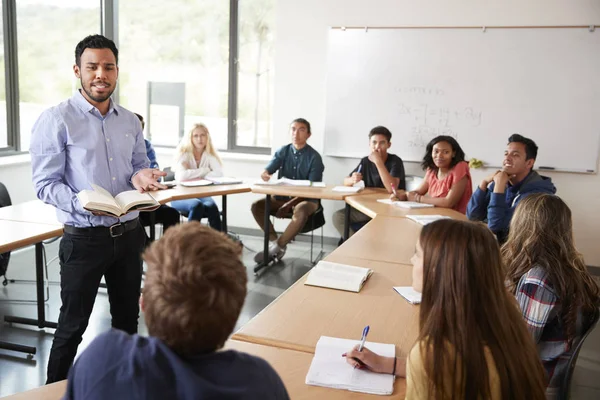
[[368, 204], [302, 314], [292, 366], [308, 192], [53, 391], [17, 234], [183, 192]]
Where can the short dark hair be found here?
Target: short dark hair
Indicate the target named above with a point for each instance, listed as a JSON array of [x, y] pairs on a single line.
[[95, 42], [304, 122], [381, 130], [531, 148], [194, 289], [428, 159]]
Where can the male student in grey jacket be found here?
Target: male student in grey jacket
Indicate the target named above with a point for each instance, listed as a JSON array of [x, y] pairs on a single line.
[[497, 196]]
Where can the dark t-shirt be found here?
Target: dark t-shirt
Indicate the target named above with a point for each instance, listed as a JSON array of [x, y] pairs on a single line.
[[121, 366], [394, 165]]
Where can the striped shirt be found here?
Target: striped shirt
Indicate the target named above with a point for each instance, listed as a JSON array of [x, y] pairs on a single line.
[[542, 311]]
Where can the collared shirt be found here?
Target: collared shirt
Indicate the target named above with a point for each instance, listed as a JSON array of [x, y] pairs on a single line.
[[542, 311], [303, 164], [73, 146]]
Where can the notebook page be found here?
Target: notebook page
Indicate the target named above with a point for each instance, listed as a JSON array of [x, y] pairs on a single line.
[[335, 280], [412, 204], [410, 294], [425, 219], [330, 369]]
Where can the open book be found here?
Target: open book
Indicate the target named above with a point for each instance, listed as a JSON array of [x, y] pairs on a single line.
[[210, 180], [338, 276], [328, 369], [284, 181], [347, 189], [100, 199], [425, 219], [405, 204], [410, 294]]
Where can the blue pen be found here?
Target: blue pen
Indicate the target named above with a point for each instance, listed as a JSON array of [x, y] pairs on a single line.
[[359, 167], [363, 338]]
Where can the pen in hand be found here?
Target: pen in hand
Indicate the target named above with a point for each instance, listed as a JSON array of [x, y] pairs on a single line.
[[361, 345]]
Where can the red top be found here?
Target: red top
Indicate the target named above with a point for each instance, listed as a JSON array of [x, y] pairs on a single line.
[[441, 187]]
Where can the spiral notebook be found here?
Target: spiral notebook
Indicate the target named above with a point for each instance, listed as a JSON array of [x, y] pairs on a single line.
[[329, 369]]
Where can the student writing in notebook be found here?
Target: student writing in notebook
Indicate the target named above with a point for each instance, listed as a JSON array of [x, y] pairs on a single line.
[[550, 280], [379, 169], [447, 180], [193, 294], [473, 343], [197, 158], [297, 160], [497, 196]]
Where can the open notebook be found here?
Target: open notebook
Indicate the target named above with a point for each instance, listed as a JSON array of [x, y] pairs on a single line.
[[410, 294], [330, 369], [426, 219], [405, 204], [338, 276]]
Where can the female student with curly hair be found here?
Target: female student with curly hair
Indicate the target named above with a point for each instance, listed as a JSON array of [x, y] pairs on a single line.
[[196, 158], [447, 180], [472, 342], [549, 278]]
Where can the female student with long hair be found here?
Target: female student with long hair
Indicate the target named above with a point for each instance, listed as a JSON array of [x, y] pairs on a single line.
[[196, 158], [472, 342], [549, 278], [447, 180]]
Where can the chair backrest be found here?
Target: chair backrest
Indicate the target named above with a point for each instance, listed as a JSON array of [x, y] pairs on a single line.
[[4, 196], [316, 220], [566, 383], [413, 182], [170, 174]]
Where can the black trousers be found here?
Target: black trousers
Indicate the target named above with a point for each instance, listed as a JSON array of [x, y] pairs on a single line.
[[84, 259], [165, 215]]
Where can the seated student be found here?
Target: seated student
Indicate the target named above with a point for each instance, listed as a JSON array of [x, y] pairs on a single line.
[[196, 158], [379, 170], [497, 196], [193, 294], [448, 179], [296, 160], [548, 276], [472, 342], [165, 215]]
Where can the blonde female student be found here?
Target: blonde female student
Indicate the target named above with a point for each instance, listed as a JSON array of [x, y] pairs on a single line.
[[196, 158], [472, 342], [550, 280], [447, 179]]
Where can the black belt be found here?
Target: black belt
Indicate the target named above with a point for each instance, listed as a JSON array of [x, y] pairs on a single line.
[[113, 231]]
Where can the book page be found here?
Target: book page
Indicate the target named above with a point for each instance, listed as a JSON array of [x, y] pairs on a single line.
[[132, 198], [347, 189], [223, 180], [338, 276], [294, 182], [99, 199], [196, 182]]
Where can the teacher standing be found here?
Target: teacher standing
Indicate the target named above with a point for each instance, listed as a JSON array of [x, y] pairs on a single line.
[[88, 139]]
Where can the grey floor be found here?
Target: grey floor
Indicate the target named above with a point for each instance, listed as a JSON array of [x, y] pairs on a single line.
[[18, 372]]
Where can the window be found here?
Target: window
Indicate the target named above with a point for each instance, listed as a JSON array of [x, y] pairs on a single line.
[[47, 33], [255, 72], [3, 130], [207, 61], [178, 41]]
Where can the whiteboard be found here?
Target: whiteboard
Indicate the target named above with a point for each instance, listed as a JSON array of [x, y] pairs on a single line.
[[477, 86]]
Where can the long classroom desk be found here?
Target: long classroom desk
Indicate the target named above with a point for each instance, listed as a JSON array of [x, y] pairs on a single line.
[[307, 192], [291, 365], [302, 314], [33, 221]]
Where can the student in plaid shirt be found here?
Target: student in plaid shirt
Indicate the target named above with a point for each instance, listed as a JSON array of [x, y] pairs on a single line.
[[549, 278]]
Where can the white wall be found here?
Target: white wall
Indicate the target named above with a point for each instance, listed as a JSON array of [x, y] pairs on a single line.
[[300, 74], [301, 67]]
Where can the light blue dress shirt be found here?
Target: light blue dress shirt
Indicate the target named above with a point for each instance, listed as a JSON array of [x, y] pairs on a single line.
[[73, 146]]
